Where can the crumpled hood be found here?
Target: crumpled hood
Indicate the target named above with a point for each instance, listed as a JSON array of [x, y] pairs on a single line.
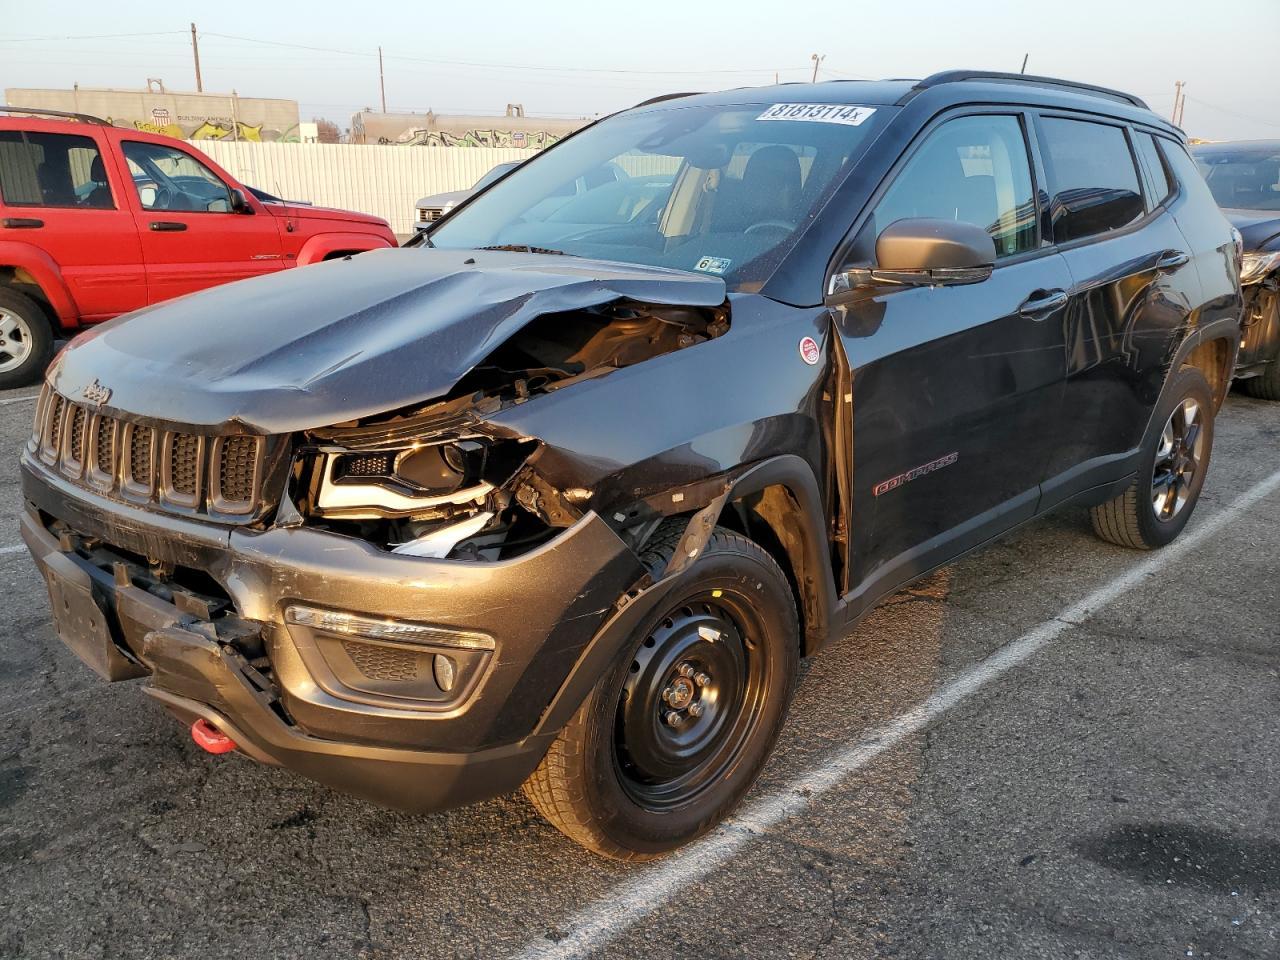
[[344, 339], [1257, 227]]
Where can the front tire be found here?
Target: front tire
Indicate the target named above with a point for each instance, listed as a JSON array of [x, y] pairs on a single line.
[[671, 739], [1159, 502], [26, 341]]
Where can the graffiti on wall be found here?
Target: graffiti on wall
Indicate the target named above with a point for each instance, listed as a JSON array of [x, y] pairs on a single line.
[[519, 139], [207, 128]]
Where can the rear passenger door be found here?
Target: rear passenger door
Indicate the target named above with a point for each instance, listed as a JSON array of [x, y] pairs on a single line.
[[1132, 286], [62, 194]]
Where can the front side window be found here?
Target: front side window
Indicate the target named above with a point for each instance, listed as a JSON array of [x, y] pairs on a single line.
[[974, 170], [52, 170], [722, 189], [1092, 178], [167, 178]]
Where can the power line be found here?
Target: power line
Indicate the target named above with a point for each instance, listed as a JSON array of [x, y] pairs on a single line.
[[1234, 113], [486, 66], [95, 36]]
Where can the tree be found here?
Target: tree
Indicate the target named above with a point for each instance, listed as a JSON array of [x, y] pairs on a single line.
[[327, 131]]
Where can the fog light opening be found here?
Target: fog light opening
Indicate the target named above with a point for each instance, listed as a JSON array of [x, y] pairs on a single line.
[[445, 672]]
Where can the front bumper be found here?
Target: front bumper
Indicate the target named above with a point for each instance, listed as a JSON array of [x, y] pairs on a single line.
[[542, 610]]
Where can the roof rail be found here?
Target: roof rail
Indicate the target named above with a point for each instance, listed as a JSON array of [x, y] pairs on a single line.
[[666, 96], [38, 112], [956, 76]]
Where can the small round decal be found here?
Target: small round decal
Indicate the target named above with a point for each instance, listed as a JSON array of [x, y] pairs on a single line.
[[809, 351]]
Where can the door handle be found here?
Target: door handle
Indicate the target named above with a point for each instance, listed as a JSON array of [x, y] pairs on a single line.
[[167, 226], [1171, 259], [1043, 302], [22, 223]]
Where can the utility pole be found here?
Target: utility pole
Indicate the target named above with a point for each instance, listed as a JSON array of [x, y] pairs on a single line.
[[1025, 58], [382, 81], [1177, 102], [195, 49], [817, 60]]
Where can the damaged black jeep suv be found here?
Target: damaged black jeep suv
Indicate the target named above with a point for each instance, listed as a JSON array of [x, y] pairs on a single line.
[[561, 495]]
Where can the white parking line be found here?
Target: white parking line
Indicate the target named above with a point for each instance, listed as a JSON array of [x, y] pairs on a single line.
[[8, 400], [653, 886]]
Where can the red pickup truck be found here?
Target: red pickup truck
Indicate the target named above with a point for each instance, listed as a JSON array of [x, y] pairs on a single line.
[[98, 220]]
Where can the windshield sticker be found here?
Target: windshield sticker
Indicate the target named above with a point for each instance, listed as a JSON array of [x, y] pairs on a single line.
[[715, 265], [847, 114]]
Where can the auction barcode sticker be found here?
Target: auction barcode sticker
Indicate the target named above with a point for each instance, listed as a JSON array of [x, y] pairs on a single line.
[[818, 113]]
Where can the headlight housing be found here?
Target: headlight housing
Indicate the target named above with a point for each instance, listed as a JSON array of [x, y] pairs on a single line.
[[1255, 265], [436, 480]]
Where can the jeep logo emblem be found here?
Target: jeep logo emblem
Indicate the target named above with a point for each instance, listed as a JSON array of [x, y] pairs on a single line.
[[96, 393]]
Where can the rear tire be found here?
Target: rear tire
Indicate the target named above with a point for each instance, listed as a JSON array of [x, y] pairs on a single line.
[[1265, 386], [26, 341], [1159, 502], [674, 735]]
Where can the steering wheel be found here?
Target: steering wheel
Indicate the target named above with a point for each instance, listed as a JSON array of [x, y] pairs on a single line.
[[769, 225], [163, 198]]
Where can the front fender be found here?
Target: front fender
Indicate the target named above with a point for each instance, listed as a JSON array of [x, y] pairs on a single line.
[[323, 245], [795, 516]]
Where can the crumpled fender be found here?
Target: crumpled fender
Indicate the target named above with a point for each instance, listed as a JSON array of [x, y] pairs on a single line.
[[44, 271], [322, 244], [802, 534]]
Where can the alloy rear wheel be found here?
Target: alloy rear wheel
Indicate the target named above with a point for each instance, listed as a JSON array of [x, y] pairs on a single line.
[[1159, 501], [26, 341]]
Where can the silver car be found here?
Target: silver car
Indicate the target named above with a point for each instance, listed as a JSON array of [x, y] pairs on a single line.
[[432, 208]]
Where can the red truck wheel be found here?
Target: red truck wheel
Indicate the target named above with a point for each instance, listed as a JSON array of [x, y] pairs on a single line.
[[26, 342]]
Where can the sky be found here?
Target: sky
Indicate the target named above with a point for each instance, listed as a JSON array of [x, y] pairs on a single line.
[[576, 58]]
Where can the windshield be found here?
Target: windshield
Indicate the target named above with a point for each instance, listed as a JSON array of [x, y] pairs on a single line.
[[724, 190], [1243, 178]]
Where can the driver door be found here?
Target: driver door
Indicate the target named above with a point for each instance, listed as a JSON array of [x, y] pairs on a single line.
[[191, 238], [956, 389]]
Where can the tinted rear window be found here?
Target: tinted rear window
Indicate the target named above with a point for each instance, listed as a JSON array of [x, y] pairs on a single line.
[[1158, 178], [52, 170], [1092, 178]]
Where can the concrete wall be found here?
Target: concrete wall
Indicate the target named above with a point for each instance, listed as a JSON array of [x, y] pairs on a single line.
[[193, 116], [382, 180]]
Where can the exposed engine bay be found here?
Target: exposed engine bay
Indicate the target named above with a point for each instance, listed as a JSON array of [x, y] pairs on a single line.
[[434, 482]]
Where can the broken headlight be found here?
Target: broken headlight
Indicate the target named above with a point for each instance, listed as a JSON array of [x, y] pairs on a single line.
[[1255, 266], [467, 498], [422, 479]]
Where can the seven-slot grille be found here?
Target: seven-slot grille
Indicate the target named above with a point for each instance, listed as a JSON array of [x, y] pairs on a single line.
[[221, 475]]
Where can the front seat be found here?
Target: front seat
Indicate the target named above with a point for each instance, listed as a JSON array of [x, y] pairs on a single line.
[[769, 191], [100, 196]]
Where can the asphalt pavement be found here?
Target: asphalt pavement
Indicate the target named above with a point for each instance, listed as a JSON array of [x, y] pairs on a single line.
[[1053, 748]]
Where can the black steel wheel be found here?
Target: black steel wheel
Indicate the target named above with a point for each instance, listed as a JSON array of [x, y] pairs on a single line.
[[675, 734], [692, 698], [1159, 501]]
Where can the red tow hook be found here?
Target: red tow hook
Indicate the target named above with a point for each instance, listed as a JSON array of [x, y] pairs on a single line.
[[210, 738]]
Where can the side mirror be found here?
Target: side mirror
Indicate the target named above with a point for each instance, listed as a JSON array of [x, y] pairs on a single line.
[[924, 252], [239, 202], [1088, 211]]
